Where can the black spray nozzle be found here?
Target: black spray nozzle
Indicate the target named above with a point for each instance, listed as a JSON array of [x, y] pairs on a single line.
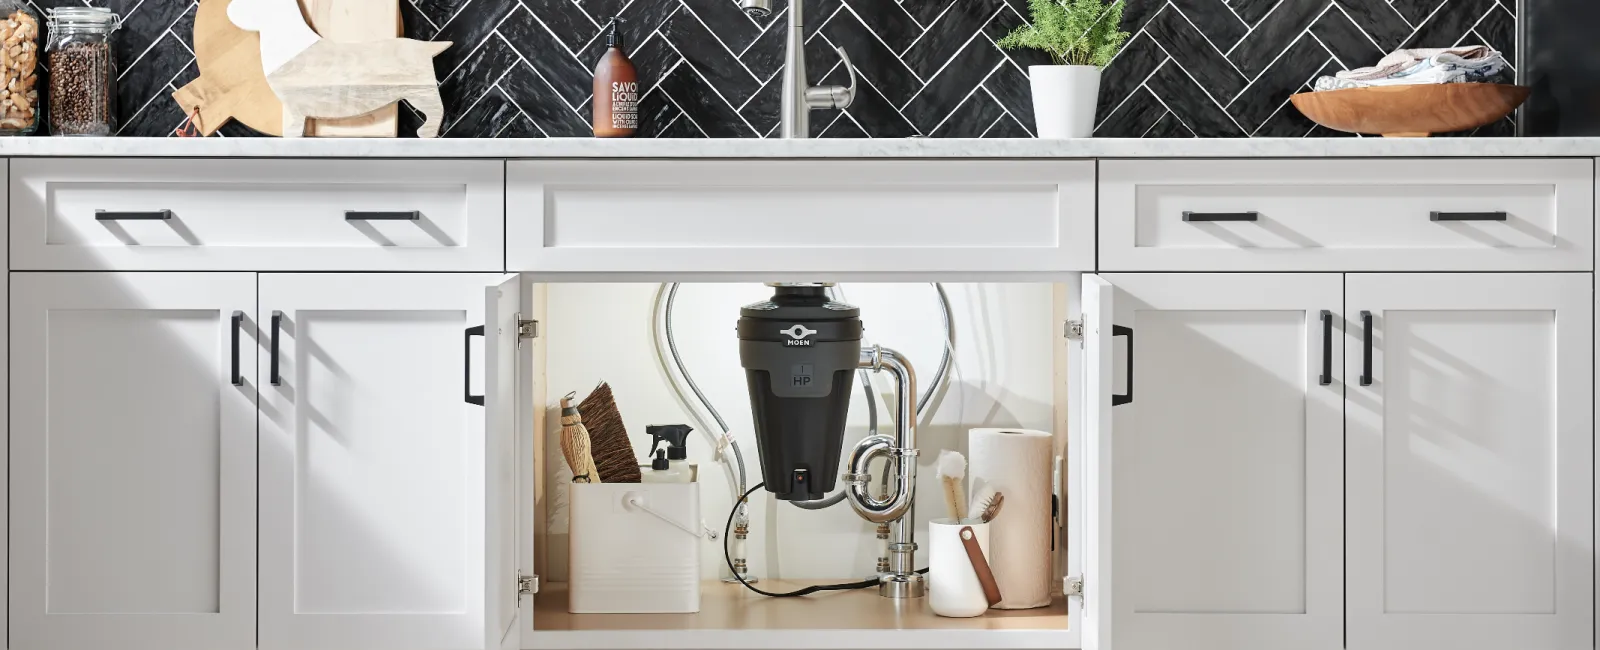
[[676, 437]]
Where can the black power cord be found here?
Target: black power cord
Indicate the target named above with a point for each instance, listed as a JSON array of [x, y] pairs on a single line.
[[727, 555]]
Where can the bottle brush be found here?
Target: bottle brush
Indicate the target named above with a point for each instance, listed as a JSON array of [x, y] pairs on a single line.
[[952, 469]]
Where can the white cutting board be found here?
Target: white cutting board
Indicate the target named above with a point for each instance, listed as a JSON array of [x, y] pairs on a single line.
[[354, 21]]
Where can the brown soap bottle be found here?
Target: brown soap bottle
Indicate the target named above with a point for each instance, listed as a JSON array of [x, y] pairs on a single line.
[[616, 90]]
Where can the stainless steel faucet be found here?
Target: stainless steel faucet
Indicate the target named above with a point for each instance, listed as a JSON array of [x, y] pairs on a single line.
[[799, 98]]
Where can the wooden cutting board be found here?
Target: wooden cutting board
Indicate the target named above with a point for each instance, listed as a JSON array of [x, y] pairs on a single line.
[[233, 86]]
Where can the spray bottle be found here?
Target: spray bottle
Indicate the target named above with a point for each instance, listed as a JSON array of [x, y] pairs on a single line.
[[677, 437]]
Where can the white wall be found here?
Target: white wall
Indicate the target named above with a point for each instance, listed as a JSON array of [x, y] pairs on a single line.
[[1001, 377]]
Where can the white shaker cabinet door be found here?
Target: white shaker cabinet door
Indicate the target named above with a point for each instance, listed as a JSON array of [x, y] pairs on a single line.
[[133, 461], [375, 493], [1470, 461], [1226, 461]]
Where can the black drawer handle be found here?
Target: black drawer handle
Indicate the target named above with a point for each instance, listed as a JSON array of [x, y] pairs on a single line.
[[1467, 216], [233, 372], [356, 215], [277, 324], [1327, 349], [150, 215], [1119, 400], [1220, 216], [1366, 348], [467, 352]]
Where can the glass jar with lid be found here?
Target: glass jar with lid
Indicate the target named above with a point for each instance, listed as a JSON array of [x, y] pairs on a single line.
[[83, 70], [19, 59]]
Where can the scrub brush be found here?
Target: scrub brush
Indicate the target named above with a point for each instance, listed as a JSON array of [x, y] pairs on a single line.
[[982, 496], [608, 439], [953, 468]]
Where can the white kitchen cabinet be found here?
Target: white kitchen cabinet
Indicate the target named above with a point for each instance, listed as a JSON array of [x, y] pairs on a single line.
[[133, 461], [1226, 461], [387, 503], [1470, 461]]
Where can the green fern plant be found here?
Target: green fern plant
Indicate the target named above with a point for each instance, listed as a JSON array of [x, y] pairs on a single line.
[[1074, 32]]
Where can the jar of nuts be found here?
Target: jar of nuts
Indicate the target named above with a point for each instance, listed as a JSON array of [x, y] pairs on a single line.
[[19, 58], [83, 71]]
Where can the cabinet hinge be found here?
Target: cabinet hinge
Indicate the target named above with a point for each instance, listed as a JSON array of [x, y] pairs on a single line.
[[1072, 330], [1072, 587], [527, 585], [526, 329]]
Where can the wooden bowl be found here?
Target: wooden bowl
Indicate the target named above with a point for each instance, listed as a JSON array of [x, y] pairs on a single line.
[[1411, 111]]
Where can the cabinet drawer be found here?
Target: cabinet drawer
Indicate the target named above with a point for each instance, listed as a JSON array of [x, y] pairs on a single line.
[[89, 214], [1399, 215], [809, 217]]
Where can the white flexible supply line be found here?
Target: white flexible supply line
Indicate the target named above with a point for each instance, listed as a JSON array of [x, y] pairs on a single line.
[[665, 349]]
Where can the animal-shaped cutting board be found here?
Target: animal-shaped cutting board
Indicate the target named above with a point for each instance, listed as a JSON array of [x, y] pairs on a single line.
[[318, 77], [232, 84]]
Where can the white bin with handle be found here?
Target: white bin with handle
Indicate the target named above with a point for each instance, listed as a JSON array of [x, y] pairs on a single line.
[[635, 548]]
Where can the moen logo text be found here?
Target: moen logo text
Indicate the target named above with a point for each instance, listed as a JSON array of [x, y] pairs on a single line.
[[798, 336]]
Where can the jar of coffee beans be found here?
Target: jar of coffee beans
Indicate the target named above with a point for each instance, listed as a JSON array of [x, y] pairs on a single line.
[[83, 71], [19, 58]]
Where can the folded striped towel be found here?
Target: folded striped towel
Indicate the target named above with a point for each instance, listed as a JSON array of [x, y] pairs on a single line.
[[1473, 64]]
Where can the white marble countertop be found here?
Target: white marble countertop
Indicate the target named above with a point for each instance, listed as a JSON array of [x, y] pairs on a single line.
[[843, 149]]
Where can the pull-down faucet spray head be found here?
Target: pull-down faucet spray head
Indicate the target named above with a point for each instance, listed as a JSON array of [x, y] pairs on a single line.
[[756, 8]]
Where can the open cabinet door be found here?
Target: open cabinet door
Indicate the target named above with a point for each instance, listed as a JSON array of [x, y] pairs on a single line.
[[1099, 386], [502, 309], [530, 456]]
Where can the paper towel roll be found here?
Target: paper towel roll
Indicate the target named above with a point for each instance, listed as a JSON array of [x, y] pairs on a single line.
[[1016, 463]]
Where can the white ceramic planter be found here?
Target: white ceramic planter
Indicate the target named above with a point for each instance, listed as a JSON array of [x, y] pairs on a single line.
[[1064, 98]]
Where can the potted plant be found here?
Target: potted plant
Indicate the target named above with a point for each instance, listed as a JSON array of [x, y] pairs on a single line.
[[1081, 36]]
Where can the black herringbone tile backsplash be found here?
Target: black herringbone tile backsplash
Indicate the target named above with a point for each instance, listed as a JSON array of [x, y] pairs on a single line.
[[522, 68]]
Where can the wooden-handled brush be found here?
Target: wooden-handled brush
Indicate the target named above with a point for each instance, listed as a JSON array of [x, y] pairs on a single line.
[[952, 469], [575, 443]]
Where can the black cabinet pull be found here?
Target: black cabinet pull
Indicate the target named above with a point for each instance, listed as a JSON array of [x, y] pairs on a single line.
[[1467, 216], [1327, 349], [149, 215], [277, 324], [357, 215], [1220, 216], [466, 384], [233, 366], [1119, 400], [1366, 348]]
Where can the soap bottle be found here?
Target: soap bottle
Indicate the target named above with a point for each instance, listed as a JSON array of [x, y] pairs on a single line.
[[616, 90], [678, 461], [660, 470]]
